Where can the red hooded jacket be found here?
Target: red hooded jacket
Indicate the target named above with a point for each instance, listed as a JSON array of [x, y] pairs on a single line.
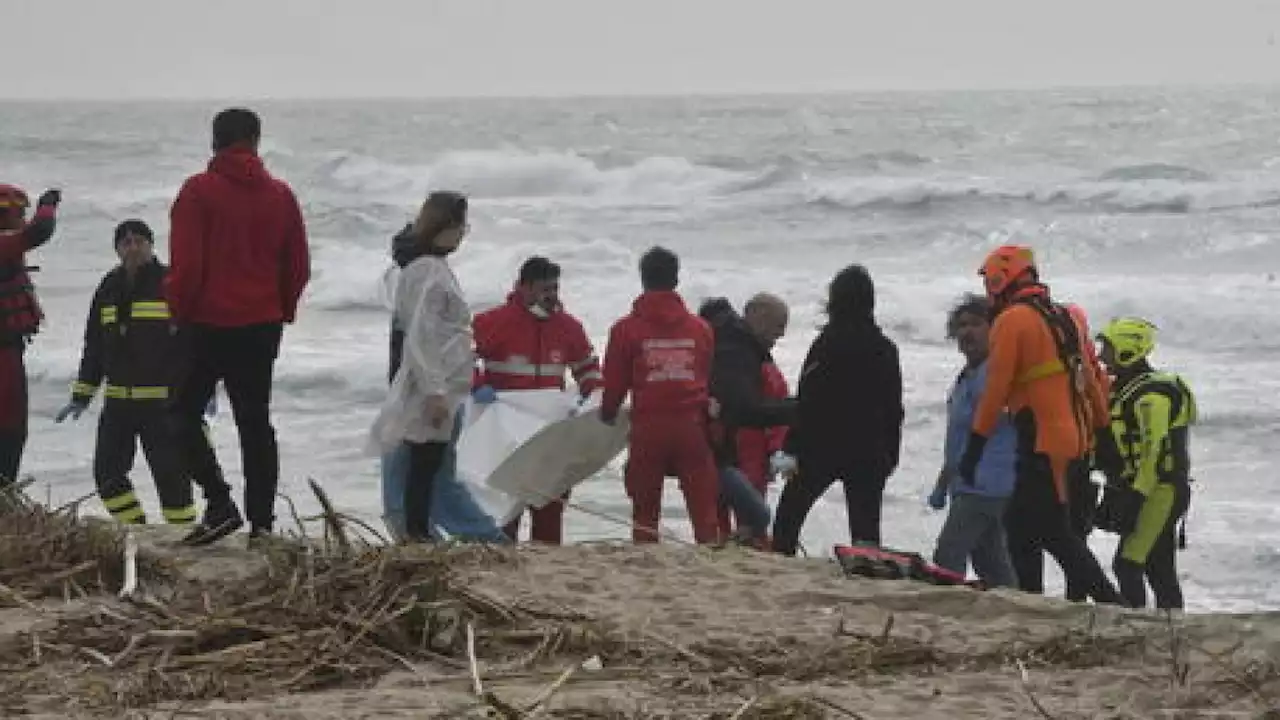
[[756, 445], [661, 353], [238, 250], [521, 351]]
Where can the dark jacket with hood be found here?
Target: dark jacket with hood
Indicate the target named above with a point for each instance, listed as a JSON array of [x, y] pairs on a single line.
[[737, 380], [237, 246], [849, 419]]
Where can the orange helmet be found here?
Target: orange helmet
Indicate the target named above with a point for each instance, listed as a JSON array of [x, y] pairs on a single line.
[[12, 198], [1004, 266]]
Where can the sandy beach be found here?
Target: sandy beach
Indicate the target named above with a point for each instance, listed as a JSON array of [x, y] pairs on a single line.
[[583, 631]]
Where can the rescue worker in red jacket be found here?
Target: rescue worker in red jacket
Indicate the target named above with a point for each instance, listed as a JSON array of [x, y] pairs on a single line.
[[129, 345], [661, 354], [528, 344], [20, 315], [238, 263]]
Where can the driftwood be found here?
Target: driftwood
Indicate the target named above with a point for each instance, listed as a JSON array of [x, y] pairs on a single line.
[[317, 618]]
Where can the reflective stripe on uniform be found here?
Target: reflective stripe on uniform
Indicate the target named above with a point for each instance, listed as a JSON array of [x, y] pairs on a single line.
[[1043, 370], [579, 366], [593, 375], [525, 369], [125, 508], [83, 388], [141, 310], [150, 310], [117, 392], [180, 516]]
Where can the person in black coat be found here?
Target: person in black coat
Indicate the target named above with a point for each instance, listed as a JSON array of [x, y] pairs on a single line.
[[849, 421], [742, 350]]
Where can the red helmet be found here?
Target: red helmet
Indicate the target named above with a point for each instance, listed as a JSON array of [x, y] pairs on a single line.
[[1006, 265], [12, 197]]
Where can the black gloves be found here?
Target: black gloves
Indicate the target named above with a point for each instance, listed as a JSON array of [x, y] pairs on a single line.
[[1119, 510], [972, 454], [49, 197]]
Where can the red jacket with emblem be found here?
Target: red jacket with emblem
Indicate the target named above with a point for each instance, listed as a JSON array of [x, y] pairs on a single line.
[[756, 445], [237, 246], [521, 351], [661, 353]]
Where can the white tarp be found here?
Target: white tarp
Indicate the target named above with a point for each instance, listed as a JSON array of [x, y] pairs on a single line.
[[527, 448]]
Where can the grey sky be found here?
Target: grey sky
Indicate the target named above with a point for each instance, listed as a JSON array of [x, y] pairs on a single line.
[[330, 48]]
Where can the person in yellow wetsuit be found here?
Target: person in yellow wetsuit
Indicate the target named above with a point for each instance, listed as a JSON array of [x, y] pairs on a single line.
[[1036, 372], [1145, 458]]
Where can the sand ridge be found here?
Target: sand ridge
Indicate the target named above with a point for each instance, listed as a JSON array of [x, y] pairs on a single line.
[[669, 631]]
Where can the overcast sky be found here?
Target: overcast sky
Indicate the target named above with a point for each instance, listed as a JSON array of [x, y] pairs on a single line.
[[341, 48]]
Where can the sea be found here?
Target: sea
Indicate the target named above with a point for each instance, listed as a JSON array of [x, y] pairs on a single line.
[[1156, 202]]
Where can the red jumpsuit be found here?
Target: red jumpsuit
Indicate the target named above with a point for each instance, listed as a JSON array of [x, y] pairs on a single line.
[[20, 318], [661, 354], [521, 351]]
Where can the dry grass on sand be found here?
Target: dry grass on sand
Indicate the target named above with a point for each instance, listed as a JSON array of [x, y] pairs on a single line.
[[347, 630]]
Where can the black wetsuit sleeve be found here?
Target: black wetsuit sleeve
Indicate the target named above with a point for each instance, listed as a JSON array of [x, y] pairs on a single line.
[[39, 230]]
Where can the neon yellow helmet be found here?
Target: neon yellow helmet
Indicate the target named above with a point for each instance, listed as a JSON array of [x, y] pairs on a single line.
[[1132, 338]]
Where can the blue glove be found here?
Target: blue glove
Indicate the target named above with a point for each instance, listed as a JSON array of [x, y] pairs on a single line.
[[938, 498], [74, 409], [484, 395]]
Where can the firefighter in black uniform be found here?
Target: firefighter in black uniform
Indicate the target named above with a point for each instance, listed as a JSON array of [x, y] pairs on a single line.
[[129, 345]]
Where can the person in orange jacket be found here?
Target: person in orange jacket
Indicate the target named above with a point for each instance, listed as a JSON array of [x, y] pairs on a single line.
[[661, 355], [528, 344], [1037, 372]]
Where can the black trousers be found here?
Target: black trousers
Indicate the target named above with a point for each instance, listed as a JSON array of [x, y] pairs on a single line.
[[1036, 521], [1161, 569], [13, 409], [243, 359], [122, 424], [425, 460], [1082, 505], [863, 496]]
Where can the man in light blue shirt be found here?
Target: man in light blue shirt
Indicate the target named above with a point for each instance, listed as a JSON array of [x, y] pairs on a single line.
[[974, 529]]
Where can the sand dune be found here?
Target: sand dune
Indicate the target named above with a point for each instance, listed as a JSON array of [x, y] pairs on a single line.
[[665, 631]]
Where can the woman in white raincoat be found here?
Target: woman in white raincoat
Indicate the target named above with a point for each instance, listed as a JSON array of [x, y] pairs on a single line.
[[435, 372]]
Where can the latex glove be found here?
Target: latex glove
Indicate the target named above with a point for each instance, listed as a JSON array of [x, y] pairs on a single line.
[[713, 408], [968, 469], [49, 197], [484, 395], [938, 498], [73, 409], [781, 463]]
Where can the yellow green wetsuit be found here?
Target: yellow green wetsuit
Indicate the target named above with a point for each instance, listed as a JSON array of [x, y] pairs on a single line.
[[1150, 419]]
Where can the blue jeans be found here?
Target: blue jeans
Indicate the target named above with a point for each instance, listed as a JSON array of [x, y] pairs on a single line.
[[974, 530], [752, 510], [453, 509]]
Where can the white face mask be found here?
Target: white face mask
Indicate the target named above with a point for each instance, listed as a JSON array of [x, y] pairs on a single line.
[[539, 312]]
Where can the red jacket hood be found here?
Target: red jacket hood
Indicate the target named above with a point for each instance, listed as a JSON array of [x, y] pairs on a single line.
[[661, 307], [239, 165]]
